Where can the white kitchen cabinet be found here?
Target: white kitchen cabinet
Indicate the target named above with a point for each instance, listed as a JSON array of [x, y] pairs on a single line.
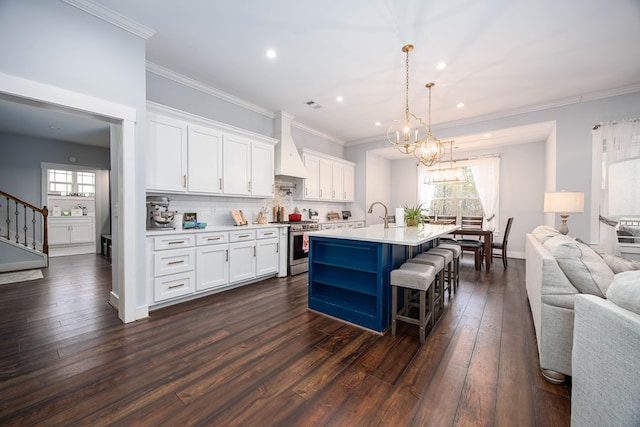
[[166, 154], [262, 169], [267, 251], [311, 184], [71, 230], [212, 260], [204, 164], [173, 266], [190, 154], [337, 182], [324, 179], [237, 165], [242, 255], [330, 178]]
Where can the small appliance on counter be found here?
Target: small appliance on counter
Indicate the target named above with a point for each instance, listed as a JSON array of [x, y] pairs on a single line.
[[159, 217], [313, 214], [346, 214]]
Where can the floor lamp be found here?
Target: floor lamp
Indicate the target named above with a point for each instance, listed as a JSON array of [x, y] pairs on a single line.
[[564, 203]]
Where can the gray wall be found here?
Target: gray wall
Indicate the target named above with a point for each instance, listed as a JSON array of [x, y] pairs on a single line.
[[59, 45], [20, 169], [573, 155]]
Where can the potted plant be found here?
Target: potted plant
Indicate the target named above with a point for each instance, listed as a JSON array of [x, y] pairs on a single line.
[[415, 215]]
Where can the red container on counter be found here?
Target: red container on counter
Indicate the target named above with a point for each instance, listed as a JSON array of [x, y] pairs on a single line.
[[293, 217]]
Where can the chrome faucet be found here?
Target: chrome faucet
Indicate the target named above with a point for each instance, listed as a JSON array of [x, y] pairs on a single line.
[[386, 213]]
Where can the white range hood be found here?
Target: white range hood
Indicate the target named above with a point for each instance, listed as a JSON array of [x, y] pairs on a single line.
[[287, 159]]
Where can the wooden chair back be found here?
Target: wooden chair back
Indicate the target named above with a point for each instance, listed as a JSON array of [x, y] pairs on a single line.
[[446, 219], [474, 222]]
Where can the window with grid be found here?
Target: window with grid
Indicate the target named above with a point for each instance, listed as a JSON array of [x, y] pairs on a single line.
[[71, 183], [455, 199]]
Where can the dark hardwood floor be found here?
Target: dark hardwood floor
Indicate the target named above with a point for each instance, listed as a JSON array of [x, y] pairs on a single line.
[[256, 356]]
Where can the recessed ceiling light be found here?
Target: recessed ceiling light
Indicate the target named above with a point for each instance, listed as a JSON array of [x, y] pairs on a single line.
[[271, 54], [441, 66], [378, 123], [339, 99], [460, 104], [487, 135]]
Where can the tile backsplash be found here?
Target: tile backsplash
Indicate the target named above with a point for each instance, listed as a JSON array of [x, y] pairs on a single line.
[[215, 210]]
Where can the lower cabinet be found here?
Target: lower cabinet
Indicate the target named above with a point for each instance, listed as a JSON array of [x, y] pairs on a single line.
[[191, 263], [71, 235]]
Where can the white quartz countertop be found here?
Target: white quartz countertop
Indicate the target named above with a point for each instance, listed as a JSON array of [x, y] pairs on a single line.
[[213, 228], [408, 236]]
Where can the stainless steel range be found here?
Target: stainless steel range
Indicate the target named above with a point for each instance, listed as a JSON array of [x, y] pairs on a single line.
[[298, 258]]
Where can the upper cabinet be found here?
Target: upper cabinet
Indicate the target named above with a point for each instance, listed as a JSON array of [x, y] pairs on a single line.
[[189, 154], [330, 178]]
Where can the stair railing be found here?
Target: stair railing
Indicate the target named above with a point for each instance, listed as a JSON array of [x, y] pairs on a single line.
[[37, 216]]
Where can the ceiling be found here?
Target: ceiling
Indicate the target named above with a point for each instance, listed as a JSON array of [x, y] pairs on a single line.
[[501, 56]]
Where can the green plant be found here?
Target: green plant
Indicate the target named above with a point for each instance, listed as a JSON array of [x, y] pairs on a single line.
[[415, 215]]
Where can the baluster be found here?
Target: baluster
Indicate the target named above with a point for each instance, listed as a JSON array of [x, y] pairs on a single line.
[[33, 227], [17, 232], [25, 228], [8, 220]]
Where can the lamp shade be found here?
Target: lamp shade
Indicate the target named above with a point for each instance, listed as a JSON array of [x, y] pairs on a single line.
[[564, 202], [624, 188]]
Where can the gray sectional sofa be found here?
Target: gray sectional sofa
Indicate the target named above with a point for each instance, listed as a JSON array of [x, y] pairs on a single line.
[[586, 313]]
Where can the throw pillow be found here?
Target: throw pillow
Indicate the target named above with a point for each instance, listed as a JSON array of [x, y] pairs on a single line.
[[542, 233], [619, 264], [625, 291], [584, 268]]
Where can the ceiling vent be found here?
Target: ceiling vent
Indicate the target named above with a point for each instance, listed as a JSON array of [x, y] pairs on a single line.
[[314, 105]]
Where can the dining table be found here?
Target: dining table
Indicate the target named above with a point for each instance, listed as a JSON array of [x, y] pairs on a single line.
[[487, 238]]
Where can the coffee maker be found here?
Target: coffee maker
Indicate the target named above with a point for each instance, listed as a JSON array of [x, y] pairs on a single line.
[[159, 217]]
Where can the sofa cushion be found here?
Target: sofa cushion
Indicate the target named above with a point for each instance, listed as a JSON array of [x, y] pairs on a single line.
[[625, 291], [584, 268], [619, 264], [542, 233]]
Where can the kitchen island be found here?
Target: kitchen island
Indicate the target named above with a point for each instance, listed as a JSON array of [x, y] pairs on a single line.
[[349, 269]]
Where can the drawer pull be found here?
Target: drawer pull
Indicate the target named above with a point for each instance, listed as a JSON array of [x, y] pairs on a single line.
[[176, 262], [244, 235], [268, 234], [213, 238], [176, 286], [175, 242]]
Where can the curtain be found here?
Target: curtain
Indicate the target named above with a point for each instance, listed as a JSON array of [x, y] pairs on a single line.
[[425, 192], [486, 174], [615, 141]]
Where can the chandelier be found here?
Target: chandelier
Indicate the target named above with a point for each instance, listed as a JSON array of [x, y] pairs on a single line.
[[405, 134], [429, 150], [447, 176]]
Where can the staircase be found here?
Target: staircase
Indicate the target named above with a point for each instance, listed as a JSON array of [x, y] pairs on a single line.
[[23, 235]]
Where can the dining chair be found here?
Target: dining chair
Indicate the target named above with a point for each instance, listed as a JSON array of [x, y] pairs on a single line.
[[472, 245], [501, 247]]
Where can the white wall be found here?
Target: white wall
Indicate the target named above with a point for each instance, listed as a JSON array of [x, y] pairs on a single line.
[[403, 179], [378, 189]]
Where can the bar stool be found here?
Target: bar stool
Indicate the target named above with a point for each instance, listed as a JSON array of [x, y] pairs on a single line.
[[418, 277], [437, 262], [448, 262], [456, 252]]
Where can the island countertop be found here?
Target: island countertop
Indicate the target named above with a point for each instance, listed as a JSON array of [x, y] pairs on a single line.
[[407, 236]]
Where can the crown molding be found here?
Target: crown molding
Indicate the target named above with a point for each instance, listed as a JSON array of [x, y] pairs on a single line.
[[112, 17], [316, 132], [209, 90], [517, 111]]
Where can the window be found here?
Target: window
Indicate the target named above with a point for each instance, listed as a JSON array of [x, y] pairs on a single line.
[[455, 199], [71, 183]]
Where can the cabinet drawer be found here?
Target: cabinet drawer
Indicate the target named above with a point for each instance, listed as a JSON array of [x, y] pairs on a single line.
[[240, 236], [267, 233], [174, 285], [173, 242], [212, 238], [176, 261], [360, 224]]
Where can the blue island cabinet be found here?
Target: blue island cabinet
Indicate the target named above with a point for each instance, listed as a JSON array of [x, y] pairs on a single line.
[[349, 279]]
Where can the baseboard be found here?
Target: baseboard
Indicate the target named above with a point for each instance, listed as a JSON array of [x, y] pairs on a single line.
[[23, 265]]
